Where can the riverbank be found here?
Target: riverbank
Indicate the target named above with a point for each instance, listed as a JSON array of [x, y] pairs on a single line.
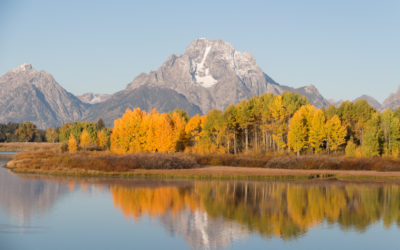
[[182, 165]]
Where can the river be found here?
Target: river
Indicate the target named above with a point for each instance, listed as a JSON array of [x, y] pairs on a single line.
[[42, 212]]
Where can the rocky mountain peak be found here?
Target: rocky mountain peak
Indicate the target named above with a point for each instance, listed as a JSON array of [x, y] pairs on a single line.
[[212, 74], [25, 67], [211, 59], [392, 101], [371, 101]]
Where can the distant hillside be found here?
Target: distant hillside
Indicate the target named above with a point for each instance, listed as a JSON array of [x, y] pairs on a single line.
[[29, 95]]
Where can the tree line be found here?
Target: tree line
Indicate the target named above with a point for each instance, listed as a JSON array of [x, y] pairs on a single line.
[[266, 124], [83, 134], [269, 123]]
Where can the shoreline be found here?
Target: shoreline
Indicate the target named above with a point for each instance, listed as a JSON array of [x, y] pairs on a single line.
[[189, 166], [225, 172]]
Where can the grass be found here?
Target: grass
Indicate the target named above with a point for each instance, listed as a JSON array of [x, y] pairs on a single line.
[[221, 166], [99, 161], [320, 162], [26, 146]]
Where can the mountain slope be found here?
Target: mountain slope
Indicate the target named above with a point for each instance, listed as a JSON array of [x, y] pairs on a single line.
[[392, 101], [212, 75], [28, 95], [371, 101], [145, 97], [93, 98]]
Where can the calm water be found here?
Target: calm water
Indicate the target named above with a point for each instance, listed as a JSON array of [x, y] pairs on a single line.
[[67, 213]]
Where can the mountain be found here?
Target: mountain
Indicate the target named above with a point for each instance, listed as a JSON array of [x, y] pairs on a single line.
[[212, 75], [29, 95], [145, 97], [371, 101], [393, 101], [93, 98], [335, 102]]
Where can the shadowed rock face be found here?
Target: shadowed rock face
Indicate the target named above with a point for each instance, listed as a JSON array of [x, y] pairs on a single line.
[[212, 75], [29, 95]]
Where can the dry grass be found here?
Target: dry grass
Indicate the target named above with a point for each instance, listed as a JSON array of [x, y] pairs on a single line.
[[192, 165], [331, 162], [99, 161], [26, 146], [335, 163]]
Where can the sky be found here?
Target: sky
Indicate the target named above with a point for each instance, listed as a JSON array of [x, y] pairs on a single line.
[[345, 48]]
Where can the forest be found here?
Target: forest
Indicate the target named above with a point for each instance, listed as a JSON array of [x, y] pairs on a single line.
[[268, 124], [282, 124]]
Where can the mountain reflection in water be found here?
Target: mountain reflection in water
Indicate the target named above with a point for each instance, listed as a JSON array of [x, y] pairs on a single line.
[[213, 214]]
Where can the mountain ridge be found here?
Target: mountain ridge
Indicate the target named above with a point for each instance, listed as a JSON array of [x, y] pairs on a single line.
[[210, 74]]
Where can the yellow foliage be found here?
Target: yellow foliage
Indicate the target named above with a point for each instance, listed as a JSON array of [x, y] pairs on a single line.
[[317, 131], [335, 133], [72, 144], [137, 131], [102, 139], [85, 139]]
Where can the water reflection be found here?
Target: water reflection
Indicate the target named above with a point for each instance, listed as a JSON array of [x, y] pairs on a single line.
[[213, 214], [285, 210], [22, 198]]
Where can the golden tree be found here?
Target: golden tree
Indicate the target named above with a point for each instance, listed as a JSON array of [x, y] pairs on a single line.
[[317, 131], [179, 124], [72, 144], [85, 139], [299, 128], [102, 138], [128, 135], [297, 136], [193, 129], [335, 134], [279, 118]]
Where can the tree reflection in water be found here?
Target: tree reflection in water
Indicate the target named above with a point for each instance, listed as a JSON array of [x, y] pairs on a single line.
[[285, 210]]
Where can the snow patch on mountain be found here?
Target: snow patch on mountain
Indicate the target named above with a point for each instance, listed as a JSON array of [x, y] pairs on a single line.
[[202, 74]]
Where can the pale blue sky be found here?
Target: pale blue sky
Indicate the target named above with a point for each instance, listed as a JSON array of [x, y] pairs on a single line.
[[345, 48]]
